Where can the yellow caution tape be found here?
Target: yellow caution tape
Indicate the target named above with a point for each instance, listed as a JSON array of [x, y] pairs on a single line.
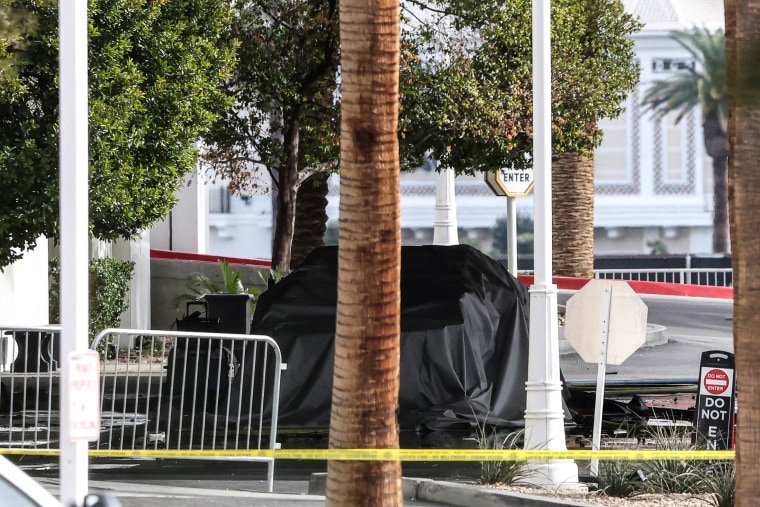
[[402, 454]]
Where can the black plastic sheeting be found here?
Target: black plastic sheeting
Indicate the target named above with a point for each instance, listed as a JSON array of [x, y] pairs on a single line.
[[464, 339]]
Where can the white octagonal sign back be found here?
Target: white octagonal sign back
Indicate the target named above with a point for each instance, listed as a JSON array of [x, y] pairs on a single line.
[[510, 182], [588, 314]]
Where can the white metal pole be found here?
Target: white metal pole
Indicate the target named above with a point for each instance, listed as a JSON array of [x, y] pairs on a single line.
[[601, 373], [512, 235], [74, 230], [445, 225], [544, 415]]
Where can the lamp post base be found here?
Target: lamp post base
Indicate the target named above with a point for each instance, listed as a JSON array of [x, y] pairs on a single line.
[[544, 412], [554, 474]]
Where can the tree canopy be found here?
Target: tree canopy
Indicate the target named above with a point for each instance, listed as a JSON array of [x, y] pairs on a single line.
[[703, 84], [155, 74], [14, 23], [466, 96], [474, 110], [285, 118]]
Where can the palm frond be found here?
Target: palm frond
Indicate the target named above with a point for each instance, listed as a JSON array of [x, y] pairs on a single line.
[[704, 84], [232, 282]]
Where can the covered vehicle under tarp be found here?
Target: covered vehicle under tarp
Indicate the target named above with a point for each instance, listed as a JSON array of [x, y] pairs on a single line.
[[464, 339]]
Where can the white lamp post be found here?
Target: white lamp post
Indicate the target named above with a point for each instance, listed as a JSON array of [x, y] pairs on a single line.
[[74, 231], [544, 415], [445, 225]]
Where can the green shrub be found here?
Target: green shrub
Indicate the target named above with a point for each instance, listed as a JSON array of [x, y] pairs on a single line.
[[108, 286], [719, 481], [198, 285], [619, 478], [500, 471], [672, 476]]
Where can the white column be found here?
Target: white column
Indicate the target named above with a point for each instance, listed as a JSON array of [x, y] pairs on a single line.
[[139, 285], [445, 224], [186, 228], [137, 251], [74, 230], [544, 415], [24, 289]]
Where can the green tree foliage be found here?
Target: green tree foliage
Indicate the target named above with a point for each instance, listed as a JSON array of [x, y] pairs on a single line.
[[286, 118], [474, 108], [524, 235], [108, 289], [14, 23], [703, 84], [156, 67], [465, 91]]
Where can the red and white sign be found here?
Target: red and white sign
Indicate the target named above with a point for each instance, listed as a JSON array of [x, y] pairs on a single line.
[[716, 382], [84, 395]]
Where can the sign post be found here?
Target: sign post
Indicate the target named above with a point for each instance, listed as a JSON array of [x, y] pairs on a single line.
[[717, 398], [84, 396], [605, 322], [511, 183]]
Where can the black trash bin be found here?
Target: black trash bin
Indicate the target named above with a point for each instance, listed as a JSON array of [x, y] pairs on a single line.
[[35, 351], [232, 310], [199, 369]]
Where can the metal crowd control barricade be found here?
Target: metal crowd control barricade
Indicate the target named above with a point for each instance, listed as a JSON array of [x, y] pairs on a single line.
[[189, 391], [712, 277], [29, 387]]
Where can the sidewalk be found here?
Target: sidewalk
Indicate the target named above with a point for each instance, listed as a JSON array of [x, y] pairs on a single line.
[[417, 493]]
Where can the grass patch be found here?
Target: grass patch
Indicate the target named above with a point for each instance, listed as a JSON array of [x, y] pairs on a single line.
[[501, 471], [621, 479], [672, 476], [719, 481]]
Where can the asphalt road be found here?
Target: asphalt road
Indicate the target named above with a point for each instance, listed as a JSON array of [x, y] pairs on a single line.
[[692, 326]]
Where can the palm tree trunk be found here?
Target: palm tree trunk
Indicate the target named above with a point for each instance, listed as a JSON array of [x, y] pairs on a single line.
[[367, 331], [573, 215], [742, 37], [720, 205], [716, 146], [311, 217]]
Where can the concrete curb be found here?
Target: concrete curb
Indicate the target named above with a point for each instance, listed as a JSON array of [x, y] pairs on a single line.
[[141, 489], [656, 335], [460, 495]]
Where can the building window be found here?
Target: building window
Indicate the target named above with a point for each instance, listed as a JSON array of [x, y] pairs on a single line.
[[674, 154], [219, 200], [617, 162]]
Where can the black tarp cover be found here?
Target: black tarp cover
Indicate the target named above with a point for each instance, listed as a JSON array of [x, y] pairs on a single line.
[[464, 339]]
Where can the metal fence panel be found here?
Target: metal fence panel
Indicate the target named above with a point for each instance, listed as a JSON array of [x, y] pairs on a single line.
[[160, 390], [713, 277], [29, 416]]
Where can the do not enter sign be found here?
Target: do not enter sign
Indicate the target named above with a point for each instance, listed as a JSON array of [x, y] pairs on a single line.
[[714, 414], [716, 382]]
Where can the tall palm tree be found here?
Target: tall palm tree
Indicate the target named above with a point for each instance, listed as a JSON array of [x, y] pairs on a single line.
[[573, 216], [311, 217], [742, 43], [367, 331], [602, 54], [703, 85]]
